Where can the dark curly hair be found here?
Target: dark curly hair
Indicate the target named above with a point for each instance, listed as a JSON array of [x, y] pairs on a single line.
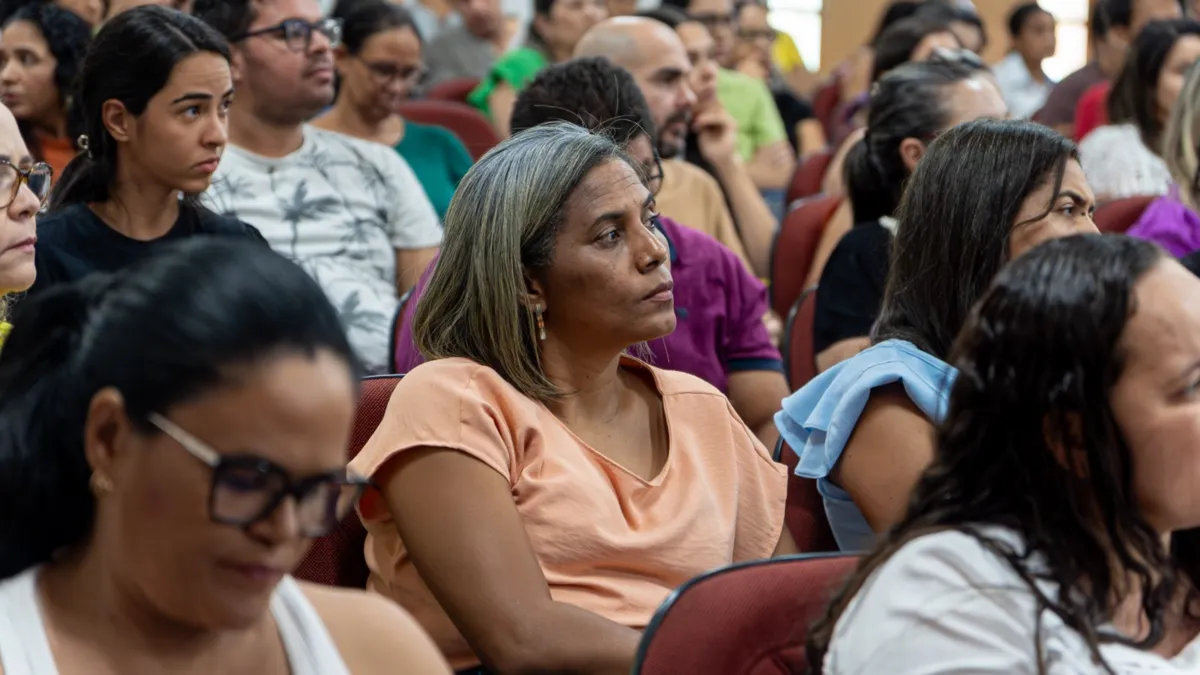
[[591, 92], [1037, 360], [68, 37]]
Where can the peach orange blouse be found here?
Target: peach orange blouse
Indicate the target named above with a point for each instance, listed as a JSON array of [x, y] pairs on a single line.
[[607, 540]]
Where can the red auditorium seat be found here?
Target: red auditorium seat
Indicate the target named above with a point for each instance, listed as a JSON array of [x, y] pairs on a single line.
[[805, 510], [337, 558], [799, 359], [825, 104], [809, 175], [455, 90], [794, 248], [397, 324], [471, 127], [1119, 215], [746, 619]]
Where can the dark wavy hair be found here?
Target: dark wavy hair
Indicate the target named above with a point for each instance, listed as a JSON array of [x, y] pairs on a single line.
[[156, 39], [957, 213], [1030, 443], [68, 37], [162, 332], [1133, 99]]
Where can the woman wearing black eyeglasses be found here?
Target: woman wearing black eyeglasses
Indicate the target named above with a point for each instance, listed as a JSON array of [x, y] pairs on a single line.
[[152, 99], [379, 62], [171, 438], [24, 186]]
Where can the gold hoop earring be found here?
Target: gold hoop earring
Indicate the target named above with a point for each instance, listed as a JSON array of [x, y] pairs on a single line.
[[541, 323]]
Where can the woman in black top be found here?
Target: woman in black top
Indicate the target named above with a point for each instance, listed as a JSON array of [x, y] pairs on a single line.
[[910, 106], [154, 91]]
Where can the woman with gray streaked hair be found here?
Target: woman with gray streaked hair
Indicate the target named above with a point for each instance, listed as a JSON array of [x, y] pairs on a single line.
[[582, 484], [1171, 220]]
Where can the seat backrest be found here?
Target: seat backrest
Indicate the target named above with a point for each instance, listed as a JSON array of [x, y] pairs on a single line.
[[397, 324], [337, 558], [825, 104], [794, 248], [471, 127], [745, 619], [809, 175], [799, 359], [804, 513], [456, 89], [1120, 214]]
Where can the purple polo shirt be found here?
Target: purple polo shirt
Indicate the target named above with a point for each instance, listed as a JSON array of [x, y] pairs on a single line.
[[719, 305], [1170, 224]]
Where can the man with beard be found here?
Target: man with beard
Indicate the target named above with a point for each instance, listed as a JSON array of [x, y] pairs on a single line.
[[349, 211], [652, 52]]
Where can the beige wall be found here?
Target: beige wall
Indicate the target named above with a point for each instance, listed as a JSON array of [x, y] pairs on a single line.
[[847, 24]]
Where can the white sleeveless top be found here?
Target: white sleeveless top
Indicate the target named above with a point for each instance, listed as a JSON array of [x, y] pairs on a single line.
[[24, 649]]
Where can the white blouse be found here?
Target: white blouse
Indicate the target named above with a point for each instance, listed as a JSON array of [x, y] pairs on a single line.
[[1118, 165], [944, 604]]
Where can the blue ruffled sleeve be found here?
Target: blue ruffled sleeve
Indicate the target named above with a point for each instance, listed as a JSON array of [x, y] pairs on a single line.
[[817, 420]]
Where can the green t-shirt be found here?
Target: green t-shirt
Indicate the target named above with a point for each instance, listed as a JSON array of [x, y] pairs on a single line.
[[438, 159], [515, 69], [750, 103]]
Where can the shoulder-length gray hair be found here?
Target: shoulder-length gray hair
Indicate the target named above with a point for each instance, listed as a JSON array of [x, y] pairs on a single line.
[[500, 231]]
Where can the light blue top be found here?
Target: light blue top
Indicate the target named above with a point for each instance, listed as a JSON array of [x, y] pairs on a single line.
[[817, 420]]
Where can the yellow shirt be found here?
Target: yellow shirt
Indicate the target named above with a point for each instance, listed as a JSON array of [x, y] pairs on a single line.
[[785, 53]]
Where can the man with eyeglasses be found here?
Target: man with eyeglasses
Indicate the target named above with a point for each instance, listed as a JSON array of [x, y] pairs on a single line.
[[351, 212]]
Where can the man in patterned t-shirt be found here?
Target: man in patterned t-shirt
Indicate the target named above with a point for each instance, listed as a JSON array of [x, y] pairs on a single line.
[[350, 212]]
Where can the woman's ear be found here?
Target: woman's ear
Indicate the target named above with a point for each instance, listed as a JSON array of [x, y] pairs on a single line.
[[534, 295], [104, 431], [340, 55], [911, 152], [1063, 434], [117, 120]]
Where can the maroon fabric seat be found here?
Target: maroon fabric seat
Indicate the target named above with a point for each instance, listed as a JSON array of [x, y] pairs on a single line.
[[805, 510], [337, 558], [1119, 215], [745, 619], [809, 175], [471, 127], [799, 359], [455, 90], [794, 248]]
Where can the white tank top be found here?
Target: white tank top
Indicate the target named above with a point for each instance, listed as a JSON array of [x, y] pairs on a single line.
[[24, 649]]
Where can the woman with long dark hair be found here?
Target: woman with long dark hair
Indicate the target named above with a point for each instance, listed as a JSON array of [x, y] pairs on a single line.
[[1054, 531], [1124, 157], [172, 436], [984, 193], [41, 49], [152, 137], [379, 63], [911, 105]]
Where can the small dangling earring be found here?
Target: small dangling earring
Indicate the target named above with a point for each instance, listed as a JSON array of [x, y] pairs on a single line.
[[82, 142], [541, 323], [100, 484]]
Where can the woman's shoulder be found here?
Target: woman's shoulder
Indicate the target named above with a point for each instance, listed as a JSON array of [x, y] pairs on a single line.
[[221, 225], [433, 135], [373, 634], [438, 382], [62, 224]]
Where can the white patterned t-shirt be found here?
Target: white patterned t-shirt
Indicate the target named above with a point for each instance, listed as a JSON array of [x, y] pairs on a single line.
[[340, 207]]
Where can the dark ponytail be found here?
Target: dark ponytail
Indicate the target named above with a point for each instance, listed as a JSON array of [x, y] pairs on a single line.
[[130, 60], [161, 332], [907, 102], [43, 471]]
